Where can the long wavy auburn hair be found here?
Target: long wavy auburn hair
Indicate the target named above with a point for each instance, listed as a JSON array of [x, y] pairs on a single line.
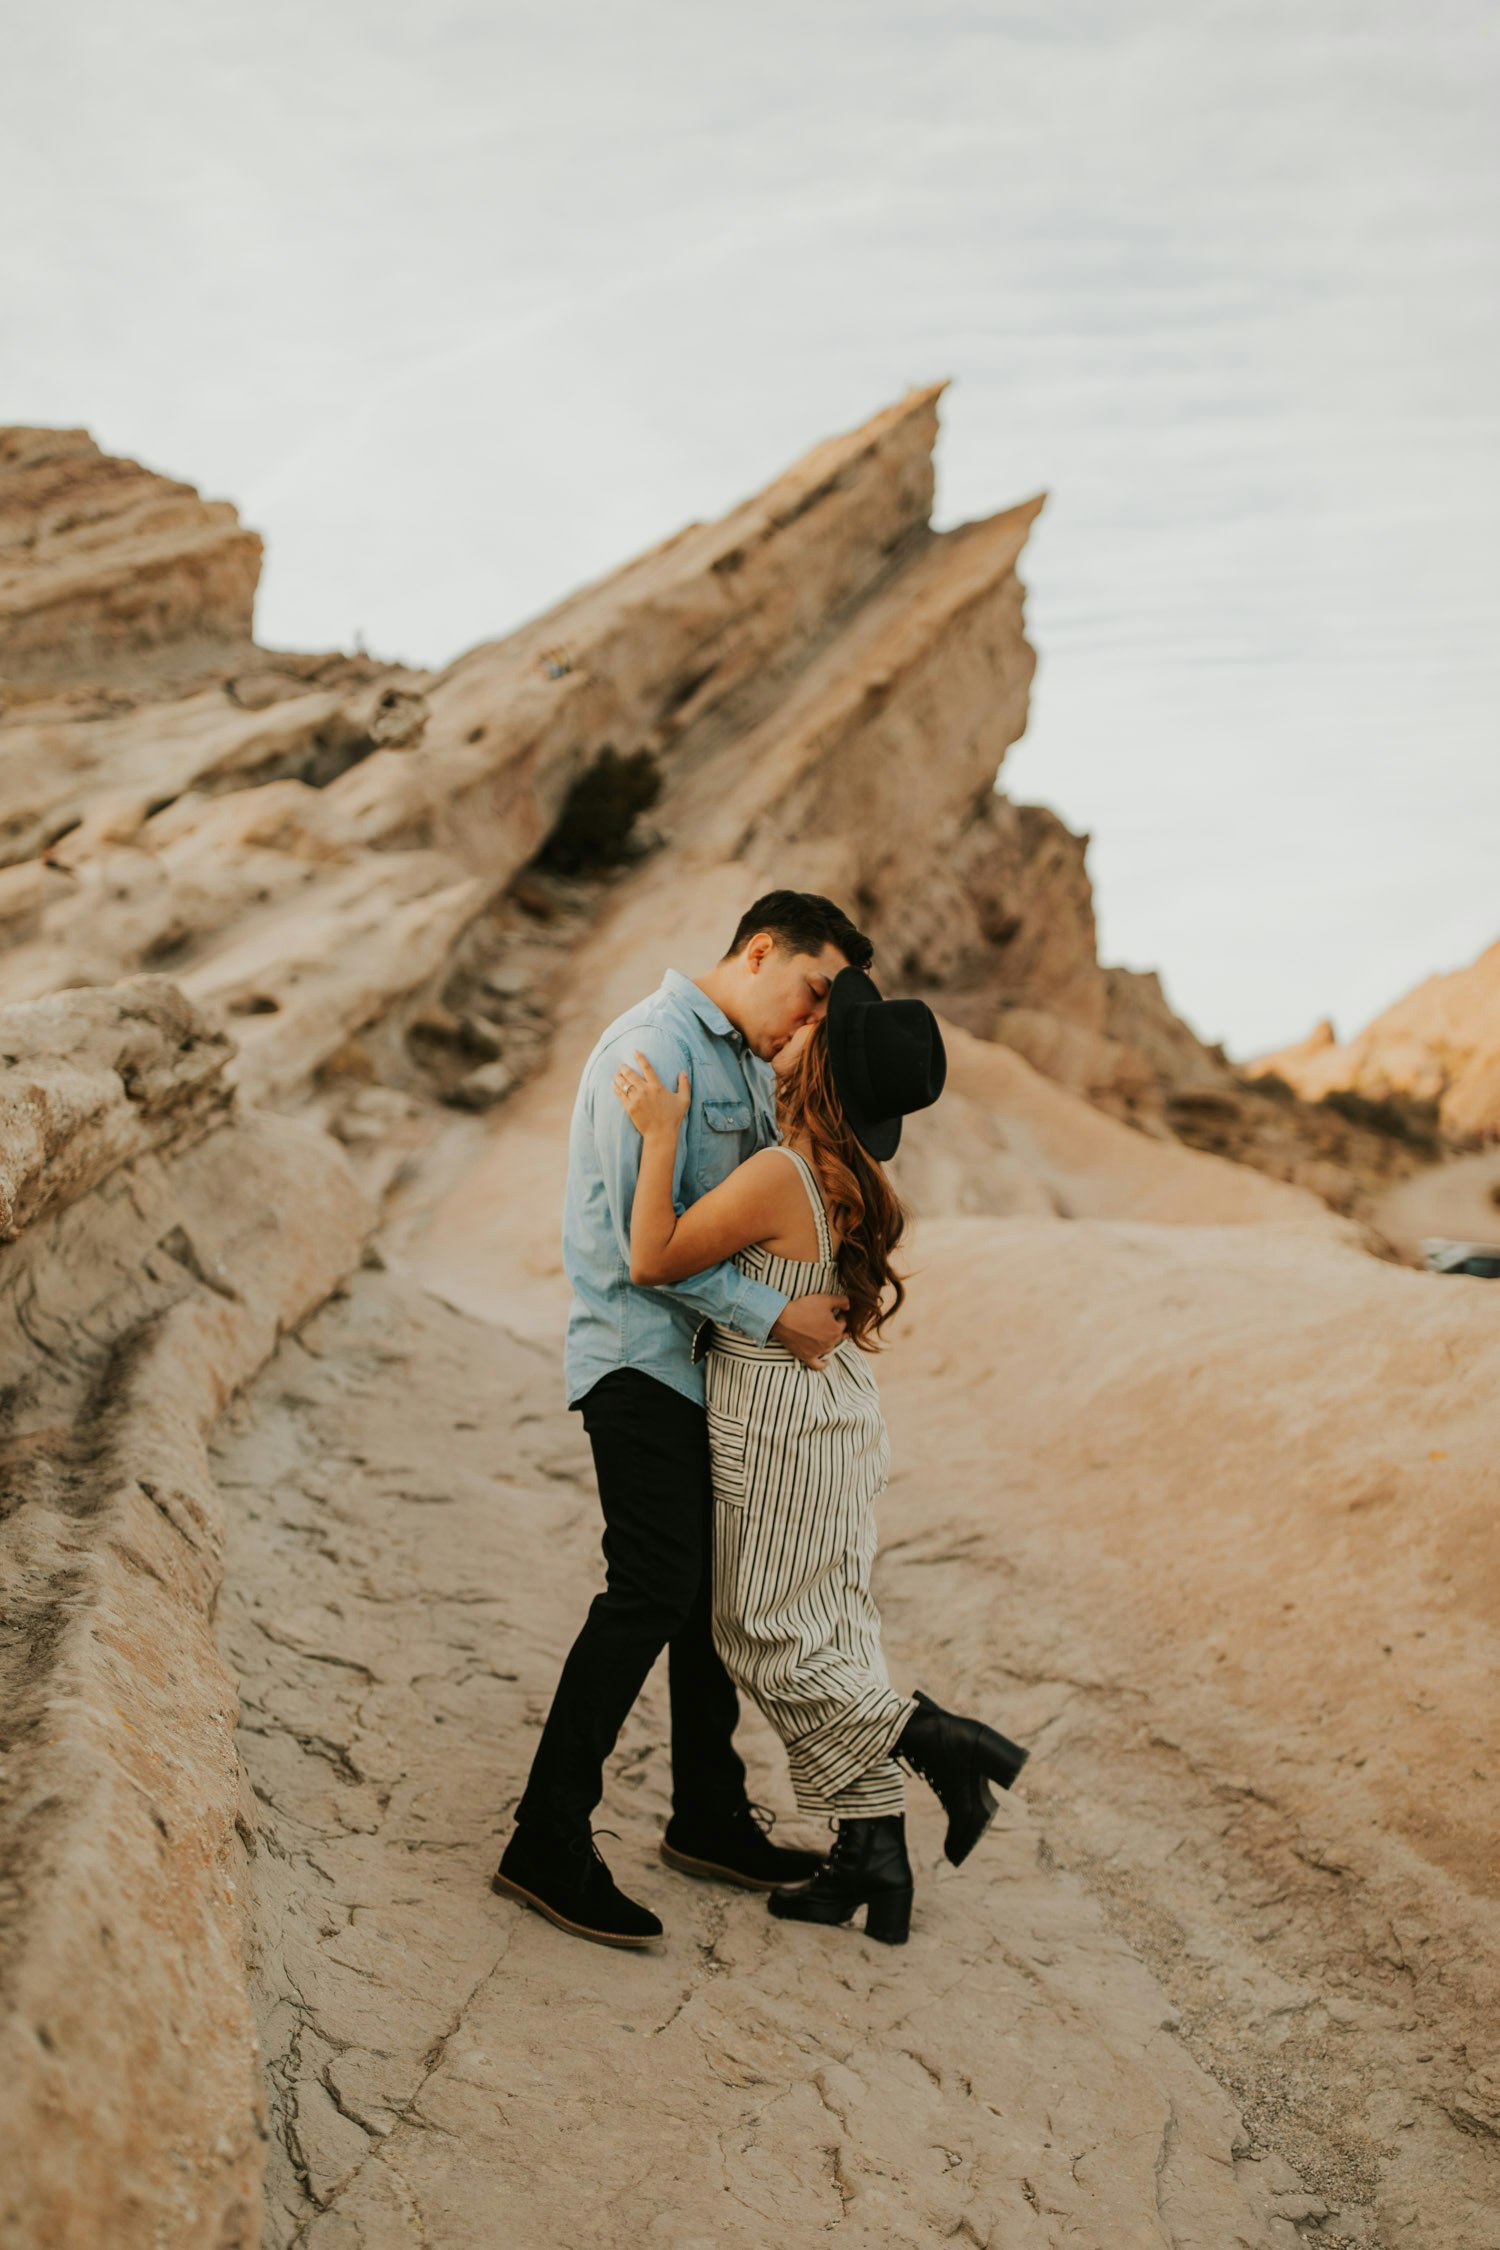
[[866, 1211]]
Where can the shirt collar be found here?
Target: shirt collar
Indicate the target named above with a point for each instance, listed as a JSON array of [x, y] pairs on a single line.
[[693, 996]]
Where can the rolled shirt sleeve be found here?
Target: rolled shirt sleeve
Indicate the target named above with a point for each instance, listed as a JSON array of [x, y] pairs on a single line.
[[721, 1293]]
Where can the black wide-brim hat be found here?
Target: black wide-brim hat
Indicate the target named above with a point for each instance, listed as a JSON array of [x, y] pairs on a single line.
[[886, 1057]]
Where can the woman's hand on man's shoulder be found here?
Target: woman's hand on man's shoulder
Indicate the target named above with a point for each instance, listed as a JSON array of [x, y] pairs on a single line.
[[651, 1104]]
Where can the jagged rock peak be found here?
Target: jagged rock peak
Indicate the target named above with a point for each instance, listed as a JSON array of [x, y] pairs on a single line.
[[1439, 1044], [102, 560]]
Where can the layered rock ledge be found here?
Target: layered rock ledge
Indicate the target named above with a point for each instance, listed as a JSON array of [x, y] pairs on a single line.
[[101, 559], [158, 1246]]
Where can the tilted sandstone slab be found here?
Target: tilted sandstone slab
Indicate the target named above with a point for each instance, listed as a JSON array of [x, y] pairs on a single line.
[[160, 1266], [303, 903], [824, 688], [690, 640], [860, 782], [68, 784], [888, 740], [818, 639], [868, 780], [101, 558]]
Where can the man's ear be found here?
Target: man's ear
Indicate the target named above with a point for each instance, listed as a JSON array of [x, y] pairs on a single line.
[[756, 951]]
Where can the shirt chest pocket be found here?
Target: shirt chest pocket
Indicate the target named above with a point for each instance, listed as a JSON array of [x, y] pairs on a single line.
[[718, 1148], [726, 1117]]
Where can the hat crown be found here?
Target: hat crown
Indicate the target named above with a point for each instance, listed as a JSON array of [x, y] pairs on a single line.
[[887, 1059]]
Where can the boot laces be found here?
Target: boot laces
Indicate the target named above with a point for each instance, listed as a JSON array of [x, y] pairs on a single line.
[[747, 1814], [926, 1763], [919, 1762], [843, 1842], [586, 1846]]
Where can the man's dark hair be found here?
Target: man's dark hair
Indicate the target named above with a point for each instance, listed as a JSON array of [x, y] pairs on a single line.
[[803, 922]]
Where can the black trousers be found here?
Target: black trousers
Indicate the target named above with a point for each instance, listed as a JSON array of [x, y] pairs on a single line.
[[656, 1488]]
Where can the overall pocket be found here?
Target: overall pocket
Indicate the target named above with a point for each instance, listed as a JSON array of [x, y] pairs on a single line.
[[728, 1445]]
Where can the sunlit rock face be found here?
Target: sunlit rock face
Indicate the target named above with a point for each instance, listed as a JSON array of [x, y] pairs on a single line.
[[103, 561], [1439, 1045]]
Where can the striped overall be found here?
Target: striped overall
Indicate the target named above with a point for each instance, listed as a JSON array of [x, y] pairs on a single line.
[[799, 1456]]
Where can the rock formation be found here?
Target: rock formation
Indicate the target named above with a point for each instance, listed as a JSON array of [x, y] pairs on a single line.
[[157, 1247], [1438, 1048], [303, 842], [295, 947], [1009, 951], [102, 561]]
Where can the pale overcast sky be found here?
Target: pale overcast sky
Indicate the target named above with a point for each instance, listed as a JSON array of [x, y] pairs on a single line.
[[464, 304]]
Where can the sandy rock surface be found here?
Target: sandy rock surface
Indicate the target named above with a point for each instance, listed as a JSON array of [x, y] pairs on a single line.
[[447, 2068], [1226, 1972]]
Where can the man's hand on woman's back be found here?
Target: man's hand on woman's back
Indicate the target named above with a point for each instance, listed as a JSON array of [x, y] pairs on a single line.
[[811, 1328]]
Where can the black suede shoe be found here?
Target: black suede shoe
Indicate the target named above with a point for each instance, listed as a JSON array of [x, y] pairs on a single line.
[[565, 1878], [867, 1867], [958, 1759], [736, 1849]]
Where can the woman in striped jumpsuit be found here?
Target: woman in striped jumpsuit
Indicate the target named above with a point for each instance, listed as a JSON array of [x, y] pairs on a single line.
[[800, 1453]]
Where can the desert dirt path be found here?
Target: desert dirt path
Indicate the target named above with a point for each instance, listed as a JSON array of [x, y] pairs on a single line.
[[415, 1539]]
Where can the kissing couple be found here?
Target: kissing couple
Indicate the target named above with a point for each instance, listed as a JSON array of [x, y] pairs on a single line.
[[728, 1232]]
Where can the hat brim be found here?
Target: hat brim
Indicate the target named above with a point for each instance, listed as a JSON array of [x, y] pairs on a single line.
[[851, 993]]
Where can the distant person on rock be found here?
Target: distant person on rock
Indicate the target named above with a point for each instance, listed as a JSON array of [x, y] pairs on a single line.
[[633, 1374], [799, 1449]]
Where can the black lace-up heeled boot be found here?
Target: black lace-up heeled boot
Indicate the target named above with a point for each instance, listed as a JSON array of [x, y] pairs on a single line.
[[958, 1759], [867, 1867]]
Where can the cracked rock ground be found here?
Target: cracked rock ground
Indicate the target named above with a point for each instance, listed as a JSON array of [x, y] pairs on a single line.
[[1112, 2026], [415, 1539]]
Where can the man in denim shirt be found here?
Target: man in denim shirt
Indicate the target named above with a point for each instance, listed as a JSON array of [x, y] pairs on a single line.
[[631, 1373]]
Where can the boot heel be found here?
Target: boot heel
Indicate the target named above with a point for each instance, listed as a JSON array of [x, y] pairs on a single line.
[[1002, 1759], [867, 1867], [888, 1917]]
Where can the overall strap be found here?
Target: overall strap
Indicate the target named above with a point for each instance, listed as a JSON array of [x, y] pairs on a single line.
[[815, 1198]]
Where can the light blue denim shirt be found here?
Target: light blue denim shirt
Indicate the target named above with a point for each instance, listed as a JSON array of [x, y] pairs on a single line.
[[613, 1321]]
